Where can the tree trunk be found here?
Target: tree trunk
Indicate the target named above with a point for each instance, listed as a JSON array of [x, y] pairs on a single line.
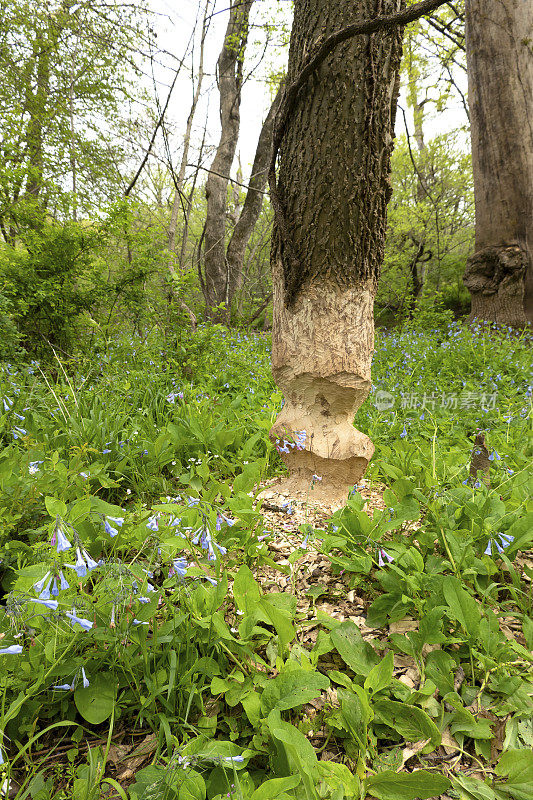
[[417, 106], [230, 75], [334, 187], [253, 203], [499, 276], [37, 107]]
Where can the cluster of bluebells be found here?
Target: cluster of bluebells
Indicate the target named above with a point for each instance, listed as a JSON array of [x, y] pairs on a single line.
[[173, 396], [498, 544], [287, 445], [17, 431], [384, 558]]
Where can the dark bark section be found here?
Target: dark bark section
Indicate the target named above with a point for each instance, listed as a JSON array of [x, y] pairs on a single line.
[[499, 275], [230, 76], [253, 203], [495, 279], [331, 73]]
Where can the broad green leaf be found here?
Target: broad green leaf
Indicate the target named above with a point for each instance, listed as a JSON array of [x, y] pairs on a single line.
[[355, 716], [292, 689], [274, 787], [440, 667], [249, 477], [410, 722], [296, 754], [465, 722], [462, 606], [96, 702], [355, 652], [417, 785], [473, 789], [55, 507], [517, 767], [246, 591], [380, 676], [281, 621], [252, 707]]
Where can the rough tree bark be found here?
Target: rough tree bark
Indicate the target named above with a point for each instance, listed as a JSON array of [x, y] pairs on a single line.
[[333, 187], [230, 76], [499, 46], [252, 204]]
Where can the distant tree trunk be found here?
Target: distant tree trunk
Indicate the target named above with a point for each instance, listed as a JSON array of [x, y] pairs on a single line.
[[252, 205], [333, 189], [417, 106], [37, 103], [499, 43], [230, 77]]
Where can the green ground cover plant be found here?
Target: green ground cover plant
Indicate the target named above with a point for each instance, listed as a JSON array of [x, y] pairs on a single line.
[[131, 541]]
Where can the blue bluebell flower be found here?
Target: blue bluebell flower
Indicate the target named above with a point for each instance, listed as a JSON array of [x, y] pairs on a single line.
[[403, 434], [494, 456], [143, 599], [86, 624], [153, 524], [64, 584], [12, 650], [109, 529], [55, 590], [179, 567], [384, 558], [299, 438], [84, 679], [33, 467], [80, 567], [62, 541], [197, 534], [139, 622], [504, 541], [51, 604], [45, 594], [65, 687], [39, 586]]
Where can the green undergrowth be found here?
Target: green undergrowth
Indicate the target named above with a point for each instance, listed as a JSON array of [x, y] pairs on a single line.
[[131, 611]]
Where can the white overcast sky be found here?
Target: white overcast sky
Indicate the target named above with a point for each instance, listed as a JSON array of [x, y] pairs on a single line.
[[174, 23]]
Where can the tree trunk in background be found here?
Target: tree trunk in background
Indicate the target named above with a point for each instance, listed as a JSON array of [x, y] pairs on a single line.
[[499, 276], [334, 184], [230, 75], [37, 107], [417, 106], [253, 203]]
